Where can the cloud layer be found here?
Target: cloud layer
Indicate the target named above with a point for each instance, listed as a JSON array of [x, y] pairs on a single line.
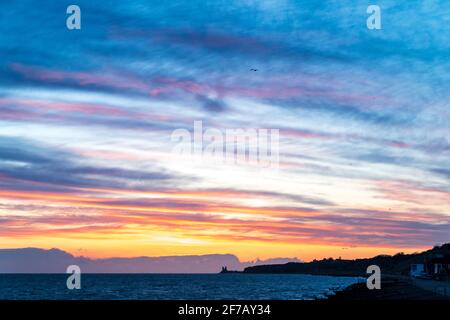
[[86, 118]]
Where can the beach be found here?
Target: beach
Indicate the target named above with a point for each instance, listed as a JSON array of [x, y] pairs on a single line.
[[396, 288]]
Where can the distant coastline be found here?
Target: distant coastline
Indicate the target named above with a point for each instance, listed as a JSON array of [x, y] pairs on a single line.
[[36, 260], [395, 282], [398, 264]]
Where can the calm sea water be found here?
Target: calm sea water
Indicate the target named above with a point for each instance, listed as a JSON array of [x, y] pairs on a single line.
[[171, 286]]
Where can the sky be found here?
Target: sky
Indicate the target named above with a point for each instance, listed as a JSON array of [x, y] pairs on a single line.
[[87, 161]]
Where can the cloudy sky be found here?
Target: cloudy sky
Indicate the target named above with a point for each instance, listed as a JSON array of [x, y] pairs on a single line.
[[86, 118]]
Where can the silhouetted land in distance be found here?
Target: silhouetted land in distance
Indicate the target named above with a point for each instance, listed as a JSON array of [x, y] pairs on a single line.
[[398, 264]]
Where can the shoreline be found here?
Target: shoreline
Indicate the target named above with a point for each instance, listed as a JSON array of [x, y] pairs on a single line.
[[392, 288]]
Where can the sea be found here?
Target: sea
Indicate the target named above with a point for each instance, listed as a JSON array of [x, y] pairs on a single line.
[[172, 286]]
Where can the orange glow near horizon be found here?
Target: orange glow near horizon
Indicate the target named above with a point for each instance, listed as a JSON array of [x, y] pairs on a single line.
[[96, 223], [99, 249]]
